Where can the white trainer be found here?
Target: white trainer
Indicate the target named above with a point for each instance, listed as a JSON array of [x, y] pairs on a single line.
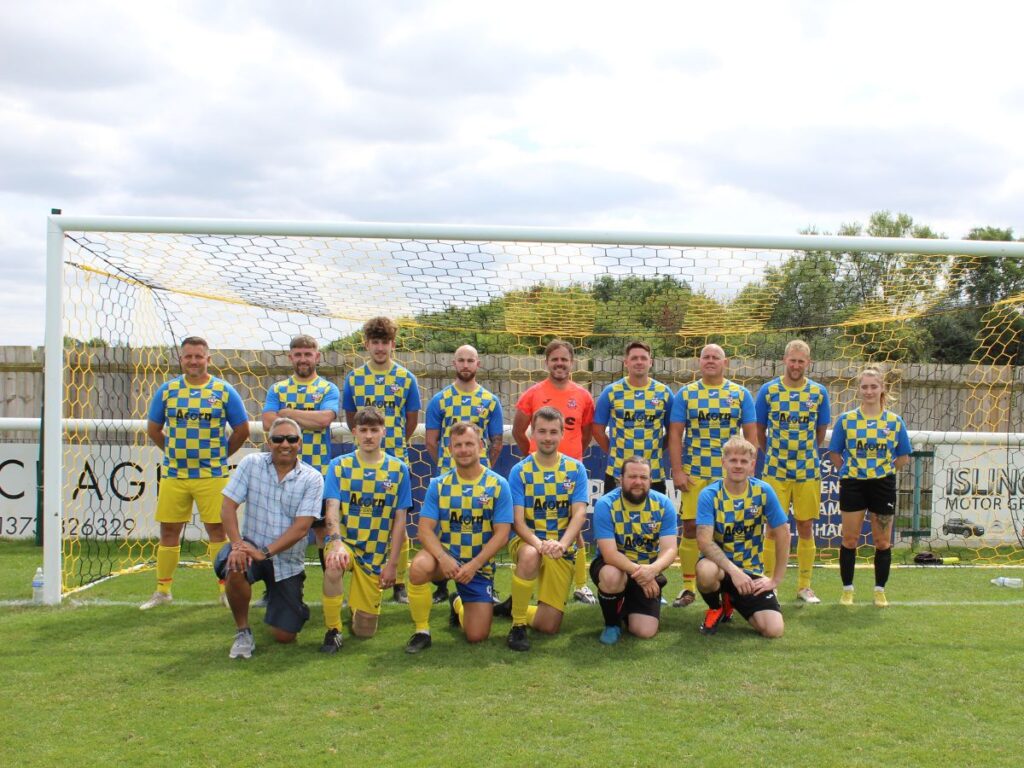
[[807, 595], [243, 646], [585, 596], [158, 598]]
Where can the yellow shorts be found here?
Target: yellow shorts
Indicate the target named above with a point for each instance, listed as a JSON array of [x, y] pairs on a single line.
[[554, 578], [803, 495], [689, 497], [364, 592], [174, 501]]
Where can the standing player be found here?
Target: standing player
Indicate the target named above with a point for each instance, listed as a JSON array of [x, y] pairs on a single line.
[[732, 515], [367, 496], [392, 390], [577, 408], [188, 420], [462, 400], [868, 446], [631, 417], [636, 531], [313, 403], [549, 499], [705, 413], [464, 521], [793, 413]]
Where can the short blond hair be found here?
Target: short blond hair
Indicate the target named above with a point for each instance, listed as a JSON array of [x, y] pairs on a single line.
[[739, 444], [797, 345]]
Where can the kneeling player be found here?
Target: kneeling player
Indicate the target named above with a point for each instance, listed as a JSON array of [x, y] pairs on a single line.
[[549, 499], [367, 495], [636, 531], [731, 518], [464, 521]]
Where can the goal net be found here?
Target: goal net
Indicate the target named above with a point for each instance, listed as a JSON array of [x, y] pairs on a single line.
[[941, 318]]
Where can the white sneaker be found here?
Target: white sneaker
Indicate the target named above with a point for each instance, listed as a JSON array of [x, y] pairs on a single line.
[[158, 598], [585, 596], [243, 646], [807, 595]]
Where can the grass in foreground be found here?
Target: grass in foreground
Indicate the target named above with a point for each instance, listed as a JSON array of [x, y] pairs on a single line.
[[933, 679]]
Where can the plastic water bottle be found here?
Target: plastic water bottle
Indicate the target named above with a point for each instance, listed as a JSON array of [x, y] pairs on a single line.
[[37, 586], [1006, 581]]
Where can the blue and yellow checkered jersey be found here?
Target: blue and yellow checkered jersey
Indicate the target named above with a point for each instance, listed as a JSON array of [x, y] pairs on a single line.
[[368, 496], [791, 418], [636, 528], [394, 394], [450, 406], [635, 419], [195, 420], [869, 444], [466, 513], [316, 395], [710, 416], [738, 521], [547, 494]]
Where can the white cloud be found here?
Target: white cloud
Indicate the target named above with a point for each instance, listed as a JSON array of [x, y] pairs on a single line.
[[748, 117]]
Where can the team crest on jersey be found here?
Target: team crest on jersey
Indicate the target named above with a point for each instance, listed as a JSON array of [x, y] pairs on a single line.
[[570, 403], [569, 486], [484, 500], [387, 484], [734, 398], [394, 389], [479, 410]]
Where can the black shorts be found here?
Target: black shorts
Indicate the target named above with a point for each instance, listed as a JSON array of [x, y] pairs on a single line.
[[748, 605], [610, 484], [320, 522], [634, 600], [877, 495], [285, 608]]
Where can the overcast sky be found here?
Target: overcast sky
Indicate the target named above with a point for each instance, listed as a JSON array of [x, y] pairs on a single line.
[[752, 118]]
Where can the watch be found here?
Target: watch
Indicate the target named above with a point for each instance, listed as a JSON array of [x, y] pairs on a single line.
[[266, 553]]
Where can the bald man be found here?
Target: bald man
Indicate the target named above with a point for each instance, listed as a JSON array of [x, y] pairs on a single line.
[[462, 400], [705, 414]]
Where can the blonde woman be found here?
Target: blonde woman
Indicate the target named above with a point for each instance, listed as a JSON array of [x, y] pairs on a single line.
[[869, 444]]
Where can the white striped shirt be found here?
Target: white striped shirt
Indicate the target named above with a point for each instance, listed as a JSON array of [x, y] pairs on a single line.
[[271, 505]]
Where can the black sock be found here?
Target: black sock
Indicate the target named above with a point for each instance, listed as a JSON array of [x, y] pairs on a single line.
[[713, 599], [321, 553], [611, 607], [883, 560], [847, 559], [441, 584]]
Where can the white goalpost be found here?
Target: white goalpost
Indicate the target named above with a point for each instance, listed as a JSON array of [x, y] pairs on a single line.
[[119, 291]]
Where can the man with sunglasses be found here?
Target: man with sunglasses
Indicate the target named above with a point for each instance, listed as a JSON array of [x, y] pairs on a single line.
[[282, 497]]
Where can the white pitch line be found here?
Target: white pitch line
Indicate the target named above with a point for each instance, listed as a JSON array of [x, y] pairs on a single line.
[[102, 603]]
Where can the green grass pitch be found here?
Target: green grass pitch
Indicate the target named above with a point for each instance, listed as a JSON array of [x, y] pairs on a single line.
[[935, 679]]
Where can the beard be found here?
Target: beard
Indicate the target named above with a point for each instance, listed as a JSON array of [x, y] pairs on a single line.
[[634, 497], [465, 375]]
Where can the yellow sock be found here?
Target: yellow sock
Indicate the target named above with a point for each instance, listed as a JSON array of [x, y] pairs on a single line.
[[688, 555], [213, 547], [522, 592], [332, 611], [402, 567], [459, 610], [220, 586], [806, 552], [420, 602], [531, 611], [166, 562], [579, 573], [768, 555]]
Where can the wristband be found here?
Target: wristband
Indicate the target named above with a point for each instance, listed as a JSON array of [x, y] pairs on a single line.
[[332, 537]]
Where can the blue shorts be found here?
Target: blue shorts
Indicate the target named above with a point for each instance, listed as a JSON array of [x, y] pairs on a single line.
[[285, 607], [479, 590]]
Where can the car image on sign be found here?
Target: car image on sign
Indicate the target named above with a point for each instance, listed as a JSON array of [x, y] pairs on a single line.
[[961, 526]]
